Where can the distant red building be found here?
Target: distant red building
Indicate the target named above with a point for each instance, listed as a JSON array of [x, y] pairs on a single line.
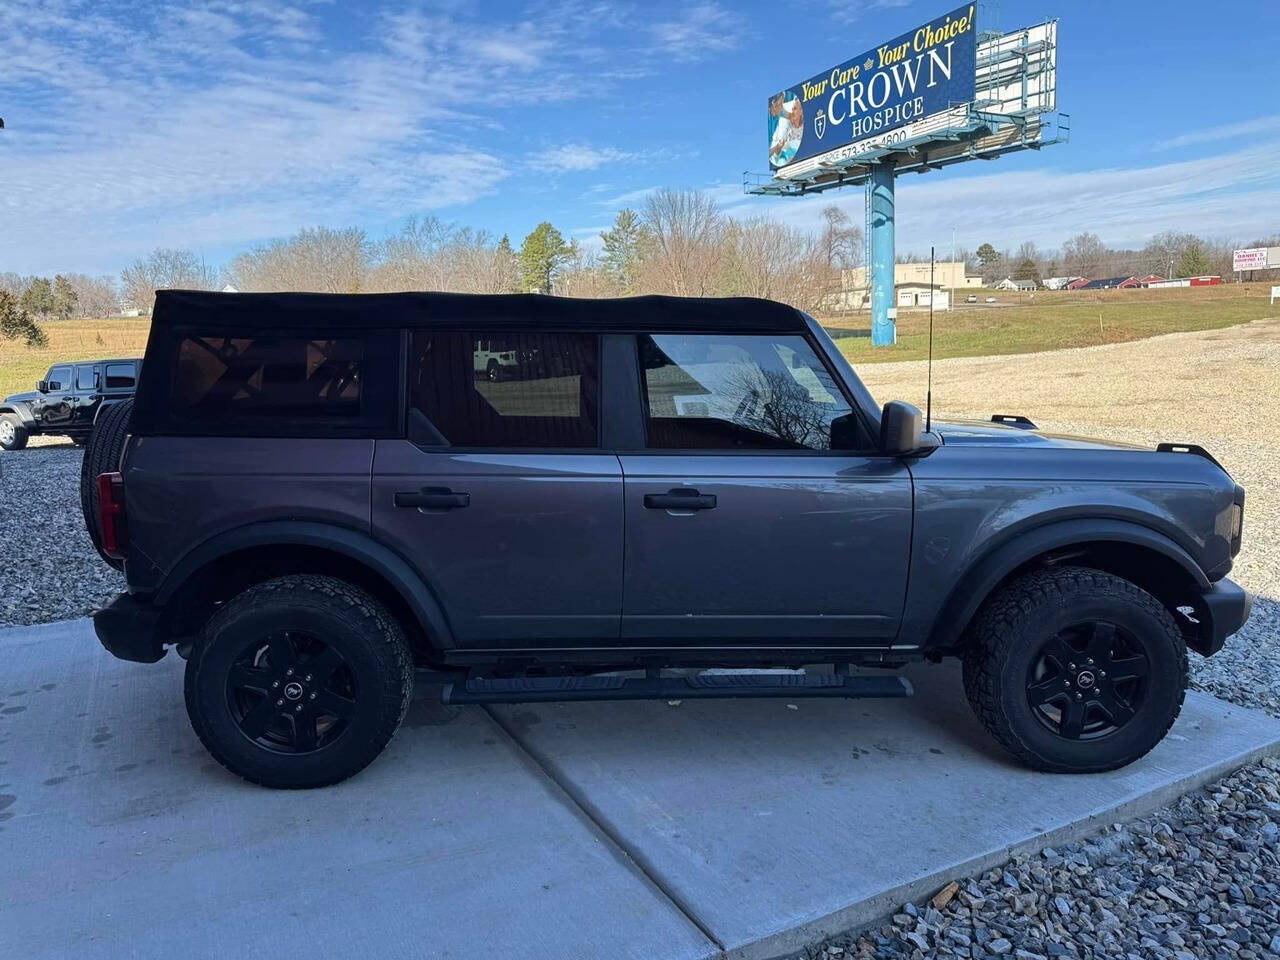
[[1149, 279], [1077, 283]]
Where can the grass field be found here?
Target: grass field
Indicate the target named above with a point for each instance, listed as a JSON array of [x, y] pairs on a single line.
[[1017, 323], [1050, 320], [21, 366]]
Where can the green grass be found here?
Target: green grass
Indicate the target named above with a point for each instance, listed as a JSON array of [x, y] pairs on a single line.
[[70, 340], [1052, 321]]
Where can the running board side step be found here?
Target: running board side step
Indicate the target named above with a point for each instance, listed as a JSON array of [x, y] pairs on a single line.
[[698, 687]]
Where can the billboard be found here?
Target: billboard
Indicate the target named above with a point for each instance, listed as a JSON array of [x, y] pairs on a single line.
[[875, 98], [1253, 258]]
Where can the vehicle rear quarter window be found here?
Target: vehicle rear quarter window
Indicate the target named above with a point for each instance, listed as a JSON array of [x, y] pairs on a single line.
[[741, 392], [507, 389], [238, 379], [120, 376]]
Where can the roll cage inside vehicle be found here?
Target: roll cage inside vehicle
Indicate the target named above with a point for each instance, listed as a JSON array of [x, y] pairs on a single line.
[[313, 495]]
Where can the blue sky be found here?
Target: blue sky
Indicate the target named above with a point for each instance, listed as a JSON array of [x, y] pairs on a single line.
[[215, 125]]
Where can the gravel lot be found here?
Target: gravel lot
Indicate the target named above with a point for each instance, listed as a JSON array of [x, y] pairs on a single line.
[[1200, 879], [49, 569]]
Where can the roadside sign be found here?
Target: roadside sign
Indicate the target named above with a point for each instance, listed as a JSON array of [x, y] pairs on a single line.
[[1251, 258]]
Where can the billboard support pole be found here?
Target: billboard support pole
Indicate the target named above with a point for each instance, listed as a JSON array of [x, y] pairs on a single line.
[[883, 320]]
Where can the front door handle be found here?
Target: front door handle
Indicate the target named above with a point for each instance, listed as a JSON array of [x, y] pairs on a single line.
[[433, 498], [681, 498]]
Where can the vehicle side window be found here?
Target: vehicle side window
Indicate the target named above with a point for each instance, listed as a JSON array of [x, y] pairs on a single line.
[[59, 378], [290, 378], [120, 376], [742, 392], [84, 378], [494, 389]]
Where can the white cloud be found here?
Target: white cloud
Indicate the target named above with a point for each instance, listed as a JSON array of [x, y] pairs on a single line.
[[1231, 195], [218, 125], [572, 157], [1229, 131], [704, 29]]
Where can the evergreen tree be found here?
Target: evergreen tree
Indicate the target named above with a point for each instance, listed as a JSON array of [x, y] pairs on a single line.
[[16, 322], [37, 300], [624, 249], [64, 298], [541, 254]]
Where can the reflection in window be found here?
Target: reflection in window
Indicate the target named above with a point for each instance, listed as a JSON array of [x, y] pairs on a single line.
[[286, 377], [507, 389], [737, 392]]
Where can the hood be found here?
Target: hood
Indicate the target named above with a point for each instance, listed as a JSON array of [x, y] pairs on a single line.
[[980, 433], [21, 397]]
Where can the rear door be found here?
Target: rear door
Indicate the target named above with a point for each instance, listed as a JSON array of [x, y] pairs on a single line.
[[759, 510], [502, 495]]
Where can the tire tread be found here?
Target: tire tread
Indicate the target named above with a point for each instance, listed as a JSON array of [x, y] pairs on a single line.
[[1001, 623]]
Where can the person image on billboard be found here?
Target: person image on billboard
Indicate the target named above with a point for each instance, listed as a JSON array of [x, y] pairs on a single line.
[[786, 127]]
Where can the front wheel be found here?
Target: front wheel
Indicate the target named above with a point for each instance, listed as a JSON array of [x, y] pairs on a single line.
[[1075, 671], [13, 435], [299, 682]]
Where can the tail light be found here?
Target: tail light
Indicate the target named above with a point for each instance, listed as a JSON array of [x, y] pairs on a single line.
[[111, 515]]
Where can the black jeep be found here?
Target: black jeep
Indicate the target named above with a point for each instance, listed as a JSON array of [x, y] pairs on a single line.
[[68, 401], [314, 495]]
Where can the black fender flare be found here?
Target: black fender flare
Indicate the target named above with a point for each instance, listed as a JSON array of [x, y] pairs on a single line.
[[354, 544], [1003, 558], [23, 412]]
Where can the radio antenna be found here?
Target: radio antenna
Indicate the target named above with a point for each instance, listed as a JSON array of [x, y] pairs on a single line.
[[928, 396]]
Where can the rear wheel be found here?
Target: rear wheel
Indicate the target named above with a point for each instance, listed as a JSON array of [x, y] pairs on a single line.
[[13, 435], [1075, 670], [102, 455], [299, 682]]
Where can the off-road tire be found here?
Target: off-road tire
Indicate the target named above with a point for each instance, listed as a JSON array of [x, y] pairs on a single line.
[[1003, 640], [18, 439], [102, 455], [348, 618]]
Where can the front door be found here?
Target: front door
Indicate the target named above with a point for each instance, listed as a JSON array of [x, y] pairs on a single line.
[[501, 496], [743, 523], [55, 405]]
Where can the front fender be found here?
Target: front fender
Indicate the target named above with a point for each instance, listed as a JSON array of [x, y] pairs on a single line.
[[23, 411], [950, 615]]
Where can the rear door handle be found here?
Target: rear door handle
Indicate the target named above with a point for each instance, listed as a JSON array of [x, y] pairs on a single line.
[[433, 498], [681, 498]]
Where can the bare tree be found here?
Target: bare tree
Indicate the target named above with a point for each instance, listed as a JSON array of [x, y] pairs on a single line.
[[1082, 255], [584, 274], [415, 257], [474, 263], [765, 258], [95, 296], [164, 269], [320, 259], [686, 252]]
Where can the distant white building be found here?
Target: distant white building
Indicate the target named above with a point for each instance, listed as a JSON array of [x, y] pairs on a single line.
[[1020, 286], [1059, 283]]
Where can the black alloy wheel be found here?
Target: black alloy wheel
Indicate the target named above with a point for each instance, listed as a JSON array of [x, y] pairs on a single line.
[[292, 692], [1088, 680]]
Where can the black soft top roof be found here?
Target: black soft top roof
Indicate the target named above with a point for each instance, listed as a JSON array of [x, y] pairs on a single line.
[[334, 311]]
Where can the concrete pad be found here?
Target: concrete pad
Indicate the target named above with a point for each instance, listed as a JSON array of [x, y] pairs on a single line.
[[775, 826], [121, 837]]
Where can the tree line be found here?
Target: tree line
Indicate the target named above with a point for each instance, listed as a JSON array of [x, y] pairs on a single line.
[[1169, 255], [677, 242]]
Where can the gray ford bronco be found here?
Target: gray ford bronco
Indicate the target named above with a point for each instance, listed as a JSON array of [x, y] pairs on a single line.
[[315, 498]]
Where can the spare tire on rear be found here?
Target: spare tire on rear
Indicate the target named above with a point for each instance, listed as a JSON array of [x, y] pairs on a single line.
[[102, 455]]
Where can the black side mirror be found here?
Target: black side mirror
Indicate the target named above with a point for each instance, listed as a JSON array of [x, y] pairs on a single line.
[[900, 428], [42, 386], [844, 432]]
